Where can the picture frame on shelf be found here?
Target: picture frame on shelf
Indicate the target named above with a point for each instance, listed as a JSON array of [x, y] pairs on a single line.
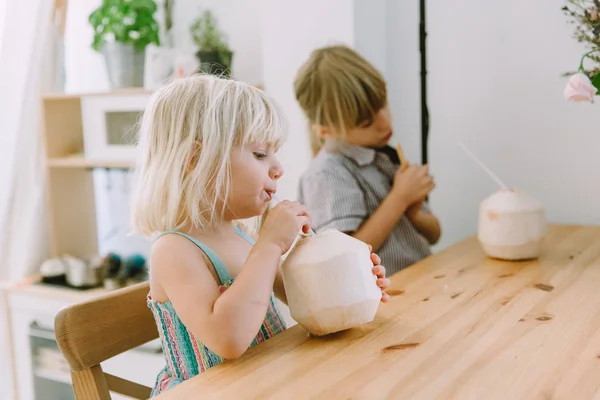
[[110, 125]]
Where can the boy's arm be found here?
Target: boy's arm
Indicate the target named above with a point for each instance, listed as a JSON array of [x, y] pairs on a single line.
[[336, 201], [425, 222], [380, 224]]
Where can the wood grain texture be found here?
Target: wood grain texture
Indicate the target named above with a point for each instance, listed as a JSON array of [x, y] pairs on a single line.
[[79, 161], [93, 331], [90, 384], [126, 388], [464, 326], [72, 216], [63, 128]]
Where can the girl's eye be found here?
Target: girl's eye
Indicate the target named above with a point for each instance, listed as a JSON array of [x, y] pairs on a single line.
[[260, 156]]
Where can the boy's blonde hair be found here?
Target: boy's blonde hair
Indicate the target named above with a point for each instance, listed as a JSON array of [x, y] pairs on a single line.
[[337, 88], [186, 135]]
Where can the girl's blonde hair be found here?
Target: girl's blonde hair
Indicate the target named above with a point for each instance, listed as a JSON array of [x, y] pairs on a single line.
[[339, 89], [186, 135]]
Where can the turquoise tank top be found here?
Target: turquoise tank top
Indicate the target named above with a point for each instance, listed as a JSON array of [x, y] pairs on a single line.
[[184, 354]]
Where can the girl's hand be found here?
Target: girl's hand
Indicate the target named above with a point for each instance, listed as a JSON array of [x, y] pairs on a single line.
[[379, 271], [283, 224]]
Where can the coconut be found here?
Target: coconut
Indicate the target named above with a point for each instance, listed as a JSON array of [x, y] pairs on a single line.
[[512, 225], [329, 283]]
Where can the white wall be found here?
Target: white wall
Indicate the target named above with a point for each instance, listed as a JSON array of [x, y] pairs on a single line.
[[239, 19], [2, 15], [402, 71], [495, 82], [370, 31]]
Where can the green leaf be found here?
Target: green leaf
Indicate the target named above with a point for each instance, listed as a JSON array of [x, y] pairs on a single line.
[[206, 33], [596, 83], [121, 17]]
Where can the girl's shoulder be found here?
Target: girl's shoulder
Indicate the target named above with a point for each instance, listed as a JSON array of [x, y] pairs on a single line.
[[171, 257], [170, 240], [170, 250], [179, 260]]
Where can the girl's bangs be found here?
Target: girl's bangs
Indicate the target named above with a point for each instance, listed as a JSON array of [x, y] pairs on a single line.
[[263, 123]]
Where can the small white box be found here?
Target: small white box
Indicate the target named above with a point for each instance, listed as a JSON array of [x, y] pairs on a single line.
[[110, 125]]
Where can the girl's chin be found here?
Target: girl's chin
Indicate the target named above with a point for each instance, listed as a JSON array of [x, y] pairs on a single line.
[[252, 212], [263, 209]]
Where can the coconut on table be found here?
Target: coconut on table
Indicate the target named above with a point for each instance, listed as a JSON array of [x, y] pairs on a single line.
[[511, 226], [329, 283]]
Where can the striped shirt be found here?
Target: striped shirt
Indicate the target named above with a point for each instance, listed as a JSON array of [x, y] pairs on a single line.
[[343, 187]]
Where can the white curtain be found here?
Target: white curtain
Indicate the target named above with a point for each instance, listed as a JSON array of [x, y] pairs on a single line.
[[26, 47]]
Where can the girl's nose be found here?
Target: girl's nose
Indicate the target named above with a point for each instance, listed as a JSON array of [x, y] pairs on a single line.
[[276, 171]]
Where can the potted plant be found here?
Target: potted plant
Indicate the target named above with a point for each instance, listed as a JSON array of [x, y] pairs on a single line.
[[122, 31], [213, 53]]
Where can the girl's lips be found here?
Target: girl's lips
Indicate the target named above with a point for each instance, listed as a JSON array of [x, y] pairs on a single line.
[[270, 194]]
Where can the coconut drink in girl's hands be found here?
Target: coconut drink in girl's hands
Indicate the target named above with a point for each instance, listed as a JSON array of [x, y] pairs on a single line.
[[329, 283]]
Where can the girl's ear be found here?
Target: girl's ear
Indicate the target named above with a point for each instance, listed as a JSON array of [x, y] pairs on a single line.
[[195, 156]]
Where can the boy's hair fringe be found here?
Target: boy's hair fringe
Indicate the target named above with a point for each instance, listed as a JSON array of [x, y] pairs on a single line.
[[339, 89]]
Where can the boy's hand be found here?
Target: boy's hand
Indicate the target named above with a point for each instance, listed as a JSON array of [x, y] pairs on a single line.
[[412, 184], [414, 209], [379, 272]]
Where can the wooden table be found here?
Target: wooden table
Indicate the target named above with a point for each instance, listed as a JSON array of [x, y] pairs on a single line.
[[459, 326]]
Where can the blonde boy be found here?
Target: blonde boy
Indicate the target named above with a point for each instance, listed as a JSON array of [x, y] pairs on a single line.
[[354, 183]]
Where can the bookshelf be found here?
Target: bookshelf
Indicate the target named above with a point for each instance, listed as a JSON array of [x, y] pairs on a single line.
[[71, 209]]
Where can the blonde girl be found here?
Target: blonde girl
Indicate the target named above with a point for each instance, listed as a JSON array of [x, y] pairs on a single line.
[[207, 159]]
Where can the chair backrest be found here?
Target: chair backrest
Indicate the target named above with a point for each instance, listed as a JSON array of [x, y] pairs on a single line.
[[91, 332]]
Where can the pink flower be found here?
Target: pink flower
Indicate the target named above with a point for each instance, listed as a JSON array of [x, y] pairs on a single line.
[[580, 88]]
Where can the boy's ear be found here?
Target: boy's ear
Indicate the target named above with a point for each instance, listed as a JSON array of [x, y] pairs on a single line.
[[321, 131]]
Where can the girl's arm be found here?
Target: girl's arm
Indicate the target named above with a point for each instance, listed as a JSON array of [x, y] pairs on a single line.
[[278, 287], [226, 323]]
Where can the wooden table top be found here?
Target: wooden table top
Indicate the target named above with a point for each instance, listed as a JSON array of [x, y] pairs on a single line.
[[459, 326]]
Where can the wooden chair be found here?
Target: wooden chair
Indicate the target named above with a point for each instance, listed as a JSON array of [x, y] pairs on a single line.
[[94, 331]]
